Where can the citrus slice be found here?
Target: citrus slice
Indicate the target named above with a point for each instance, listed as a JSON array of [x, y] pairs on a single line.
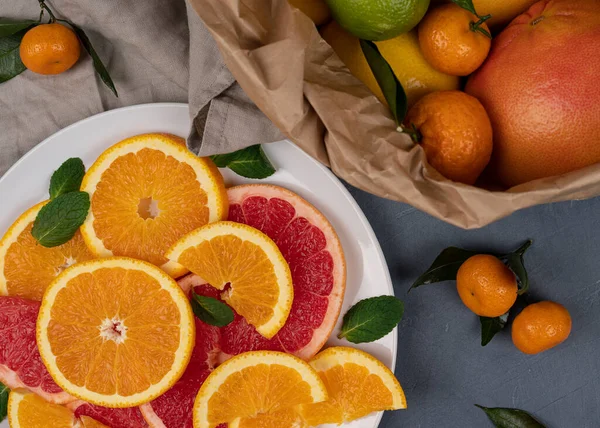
[[255, 383], [28, 410], [20, 363], [288, 418], [129, 417], [147, 192], [115, 332], [26, 267], [357, 383], [246, 263]]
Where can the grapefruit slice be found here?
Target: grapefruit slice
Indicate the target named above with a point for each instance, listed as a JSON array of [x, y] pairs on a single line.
[[246, 262], [147, 192], [253, 384], [20, 363], [357, 384], [115, 332], [26, 267], [129, 417], [314, 254], [28, 410], [173, 409]]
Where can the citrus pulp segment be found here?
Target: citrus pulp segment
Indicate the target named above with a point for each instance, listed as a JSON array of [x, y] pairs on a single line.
[[129, 417], [247, 264], [115, 332], [256, 383], [20, 363], [357, 384], [26, 267], [146, 192], [28, 410]]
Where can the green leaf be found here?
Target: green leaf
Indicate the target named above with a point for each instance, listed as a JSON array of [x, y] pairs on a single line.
[[67, 178], [10, 58], [4, 391], [491, 326], [467, 5], [388, 82], [98, 65], [212, 311], [59, 219], [515, 261], [371, 319], [9, 27], [444, 267], [251, 162], [510, 418]]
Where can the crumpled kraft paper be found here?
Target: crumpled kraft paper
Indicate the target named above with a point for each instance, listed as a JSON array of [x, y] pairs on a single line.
[[279, 59]]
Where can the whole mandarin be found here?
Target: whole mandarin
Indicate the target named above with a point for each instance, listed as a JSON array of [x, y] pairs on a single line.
[[49, 49], [450, 41], [455, 132], [486, 285], [541, 326]]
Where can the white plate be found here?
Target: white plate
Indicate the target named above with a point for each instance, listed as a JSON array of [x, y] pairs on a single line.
[[26, 183]]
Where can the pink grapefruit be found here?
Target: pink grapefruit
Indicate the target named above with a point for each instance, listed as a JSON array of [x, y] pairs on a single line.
[[128, 417]]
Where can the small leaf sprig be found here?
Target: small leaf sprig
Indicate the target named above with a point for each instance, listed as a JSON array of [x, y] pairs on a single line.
[[211, 311], [475, 26], [510, 418], [251, 162], [371, 319], [58, 220], [445, 268], [12, 32]]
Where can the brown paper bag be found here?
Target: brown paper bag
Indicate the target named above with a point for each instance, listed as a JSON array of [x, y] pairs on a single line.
[[279, 59]]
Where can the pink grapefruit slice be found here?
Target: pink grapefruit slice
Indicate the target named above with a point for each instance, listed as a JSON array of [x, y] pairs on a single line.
[[20, 363], [313, 251], [127, 417]]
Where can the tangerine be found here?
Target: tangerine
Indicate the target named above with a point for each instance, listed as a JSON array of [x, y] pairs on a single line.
[[486, 285], [541, 326], [49, 49]]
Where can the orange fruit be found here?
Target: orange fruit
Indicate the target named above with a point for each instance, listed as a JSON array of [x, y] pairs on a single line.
[[26, 267], [248, 263], [546, 61], [254, 384], [317, 10], [455, 132], [146, 192], [486, 285], [403, 53], [115, 332], [502, 11], [28, 410], [357, 384], [541, 326], [49, 49], [450, 42]]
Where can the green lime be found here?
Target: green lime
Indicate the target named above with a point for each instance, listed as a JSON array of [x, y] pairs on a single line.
[[378, 19]]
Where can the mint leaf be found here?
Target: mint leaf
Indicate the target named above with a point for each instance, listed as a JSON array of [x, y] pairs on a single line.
[[9, 27], [491, 326], [4, 391], [212, 311], [10, 58], [251, 162], [59, 219], [371, 319], [444, 267], [98, 65], [388, 82], [510, 418], [67, 178]]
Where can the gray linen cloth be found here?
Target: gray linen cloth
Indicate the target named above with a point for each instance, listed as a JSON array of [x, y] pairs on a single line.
[[155, 51]]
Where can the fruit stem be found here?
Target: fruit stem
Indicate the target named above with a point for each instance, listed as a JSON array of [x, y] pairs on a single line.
[[413, 133], [44, 7], [476, 26]]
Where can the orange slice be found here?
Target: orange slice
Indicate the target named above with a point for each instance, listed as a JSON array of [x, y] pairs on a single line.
[[28, 410], [147, 192], [26, 267], [248, 261], [357, 383], [256, 384], [115, 332]]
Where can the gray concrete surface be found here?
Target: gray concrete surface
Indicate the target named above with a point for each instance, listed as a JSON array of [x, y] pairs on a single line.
[[441, 364]]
